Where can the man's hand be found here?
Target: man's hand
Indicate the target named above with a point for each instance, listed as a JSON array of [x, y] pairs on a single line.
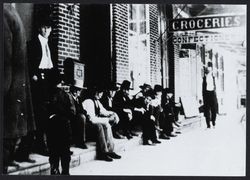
[[35, 78], [142, 110]]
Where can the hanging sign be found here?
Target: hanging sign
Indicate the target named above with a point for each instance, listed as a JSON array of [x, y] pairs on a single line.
[[187, 39], [206, 23]]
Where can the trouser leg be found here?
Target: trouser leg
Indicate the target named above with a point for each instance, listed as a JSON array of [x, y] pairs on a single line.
[[213, 114], [9, 147], [65, 160], [101, 144], [108, 137]]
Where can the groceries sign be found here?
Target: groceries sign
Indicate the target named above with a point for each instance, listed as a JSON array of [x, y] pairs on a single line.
[[205, 23]]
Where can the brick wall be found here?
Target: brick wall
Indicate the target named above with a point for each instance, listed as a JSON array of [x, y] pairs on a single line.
[[120, 42], [155, 61], [66, 31]]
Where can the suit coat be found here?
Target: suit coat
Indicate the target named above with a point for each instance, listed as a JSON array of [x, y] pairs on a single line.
[[35, 55], [18, 112]]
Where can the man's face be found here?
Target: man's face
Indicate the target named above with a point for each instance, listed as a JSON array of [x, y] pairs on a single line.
[[45, 31], [147, 100], [125, 92], [111, 93], [98, 95], [169, 96], [158, 94]]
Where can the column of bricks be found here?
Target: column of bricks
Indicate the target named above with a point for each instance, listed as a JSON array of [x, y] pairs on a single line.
[[66, 31], [120, 41], [155, 61]]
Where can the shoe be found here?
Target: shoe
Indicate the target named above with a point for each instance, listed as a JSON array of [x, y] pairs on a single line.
[[172, 135], [82, 146], [129, 136], [114, 155], [177, 132], [133, 133], [156, 141], [105, 157], [145, 142], [54, 171], [13, 163], [164, 136], [117, 135], [25, 159]]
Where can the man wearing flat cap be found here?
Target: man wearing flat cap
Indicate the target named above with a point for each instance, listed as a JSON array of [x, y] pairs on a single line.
[[122, 106]]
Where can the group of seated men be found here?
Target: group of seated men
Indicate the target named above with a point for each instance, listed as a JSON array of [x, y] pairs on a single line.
[[104, 113]]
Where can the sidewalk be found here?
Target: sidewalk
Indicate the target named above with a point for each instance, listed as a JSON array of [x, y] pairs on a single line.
[[191, 128], [196, 152]]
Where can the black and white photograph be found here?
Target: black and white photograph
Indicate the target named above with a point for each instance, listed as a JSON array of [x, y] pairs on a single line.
[[124, 89]]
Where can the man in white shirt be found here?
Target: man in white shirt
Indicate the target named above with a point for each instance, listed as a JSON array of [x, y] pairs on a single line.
[[100, 118], [209, 96], [44, 76]]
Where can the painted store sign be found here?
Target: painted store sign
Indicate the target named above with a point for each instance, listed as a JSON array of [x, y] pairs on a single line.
[[205, 23]]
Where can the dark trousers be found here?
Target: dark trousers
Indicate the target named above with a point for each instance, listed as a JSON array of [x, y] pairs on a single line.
[[166, 123], [210, 107], [102, 134], [78, 124], [148, 129], [25, 146], [9, 148], [41, 96], [59, 138], [124, 123]]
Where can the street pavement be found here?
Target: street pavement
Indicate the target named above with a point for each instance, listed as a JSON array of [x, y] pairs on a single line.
[[197, 152]]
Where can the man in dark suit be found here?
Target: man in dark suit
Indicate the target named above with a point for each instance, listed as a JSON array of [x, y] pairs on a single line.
[[122, 106], [17, 106], [209, 96], [77, 118], [107, 102], [43, 75]]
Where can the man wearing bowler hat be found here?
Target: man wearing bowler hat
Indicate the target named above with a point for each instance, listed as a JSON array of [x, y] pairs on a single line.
[[122, 106]]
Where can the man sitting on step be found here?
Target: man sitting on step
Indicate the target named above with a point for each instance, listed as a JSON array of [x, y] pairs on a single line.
[[99, 119]]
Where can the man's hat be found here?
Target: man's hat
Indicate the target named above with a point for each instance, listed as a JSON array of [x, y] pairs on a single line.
[[125, 85], [149, 93], [209, 64], [144, 86], [158, 88], [112, 87], [96, 88], [168, 90]]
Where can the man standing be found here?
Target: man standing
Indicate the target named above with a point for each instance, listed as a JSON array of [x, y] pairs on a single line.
[[43, 75], [17, 105], [209, 96]]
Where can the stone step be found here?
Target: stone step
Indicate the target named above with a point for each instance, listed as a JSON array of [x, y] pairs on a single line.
[[80, 156]]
